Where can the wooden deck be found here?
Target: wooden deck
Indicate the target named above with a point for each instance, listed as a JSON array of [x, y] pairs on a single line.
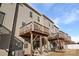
[[34, 30], [60, 36], [34, 27]]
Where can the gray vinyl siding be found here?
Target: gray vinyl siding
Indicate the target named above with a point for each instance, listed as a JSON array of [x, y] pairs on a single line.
[[9, 10]]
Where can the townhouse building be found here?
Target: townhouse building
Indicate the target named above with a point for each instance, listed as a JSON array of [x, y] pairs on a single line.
[[35, 33]]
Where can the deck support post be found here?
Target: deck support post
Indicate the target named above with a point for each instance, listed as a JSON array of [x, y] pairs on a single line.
[[31, 43], [40, 45], [47, 43]]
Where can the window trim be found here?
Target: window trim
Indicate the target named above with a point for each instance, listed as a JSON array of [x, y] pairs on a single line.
[[3, 17]]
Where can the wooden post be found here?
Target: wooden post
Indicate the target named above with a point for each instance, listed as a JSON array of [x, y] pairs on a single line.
[[40, 45], [31, 43], [47, 43]]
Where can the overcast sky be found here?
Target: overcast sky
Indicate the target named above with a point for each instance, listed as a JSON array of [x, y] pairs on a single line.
[[65, 16]]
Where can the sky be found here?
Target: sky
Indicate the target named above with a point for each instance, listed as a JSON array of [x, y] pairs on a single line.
[[64, 15]]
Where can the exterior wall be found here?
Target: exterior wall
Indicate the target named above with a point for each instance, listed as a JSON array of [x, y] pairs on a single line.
[[52, 28], [4, 40], [9, 10], [45, 22], [55, 30], [24, 16]]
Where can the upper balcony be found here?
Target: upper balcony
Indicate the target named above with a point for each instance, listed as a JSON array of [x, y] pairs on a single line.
[[62, 36], [52, 36], [35, 28]]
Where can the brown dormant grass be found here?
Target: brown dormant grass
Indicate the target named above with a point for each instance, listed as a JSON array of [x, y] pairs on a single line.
[[69, 52]]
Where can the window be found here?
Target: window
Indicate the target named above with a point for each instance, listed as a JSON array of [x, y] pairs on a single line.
[[44, 18], [23, 24], [0, 4], [38, 19], [49, 24], [52, 26], [31, 14], [1, 17]]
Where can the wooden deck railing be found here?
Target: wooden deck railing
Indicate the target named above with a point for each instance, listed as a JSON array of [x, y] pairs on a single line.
[[53, 35], [61, 35], [34, 26], [58, 35]]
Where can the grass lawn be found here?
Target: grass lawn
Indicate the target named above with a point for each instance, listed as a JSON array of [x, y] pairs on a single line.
[[74, 52]]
